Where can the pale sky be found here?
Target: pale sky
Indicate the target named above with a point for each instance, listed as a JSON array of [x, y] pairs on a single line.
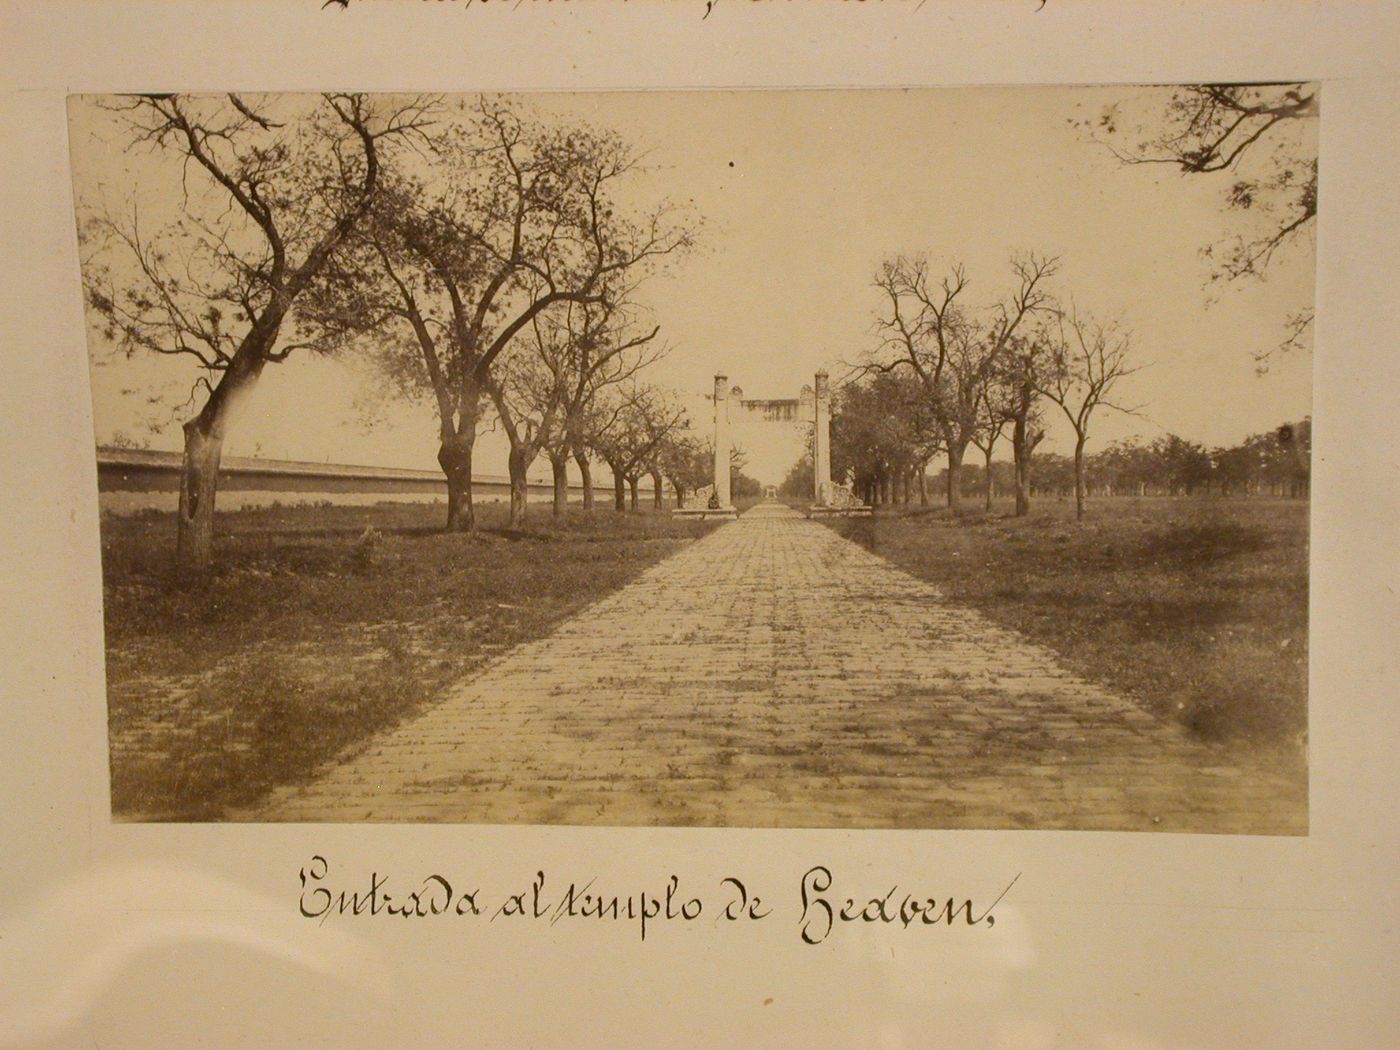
[[802, 193]]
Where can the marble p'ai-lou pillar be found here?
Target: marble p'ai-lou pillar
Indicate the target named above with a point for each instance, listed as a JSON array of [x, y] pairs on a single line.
[[821, 442], [722, 440]]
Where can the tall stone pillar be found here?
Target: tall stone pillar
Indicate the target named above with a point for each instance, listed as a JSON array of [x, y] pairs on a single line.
[[821, 443], [722, 440]]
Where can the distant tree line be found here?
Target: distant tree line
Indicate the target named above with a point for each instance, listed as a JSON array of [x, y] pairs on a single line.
[[1276, 463]]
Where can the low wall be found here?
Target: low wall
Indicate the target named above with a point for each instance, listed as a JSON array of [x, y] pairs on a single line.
[[133, 480]]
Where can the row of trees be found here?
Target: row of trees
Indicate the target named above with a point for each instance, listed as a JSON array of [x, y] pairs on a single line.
[[886, 435], [485, 260], [641, 433], [1276, 463], [945, 377]]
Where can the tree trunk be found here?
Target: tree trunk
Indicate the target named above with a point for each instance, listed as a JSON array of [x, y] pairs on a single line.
[[585, 470], [199, 483], [991, 486], [455, 459], [886, 489], [923, 485], [519, 463], [1021, 451], [204, 449], [658, 491], [955, 458], [1079, 487], [1023, 489], [632, 485], [680, 494], [619, 489], [559, 464]]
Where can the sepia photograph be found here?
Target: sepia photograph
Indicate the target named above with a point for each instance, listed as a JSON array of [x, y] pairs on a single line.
[[870, 458]]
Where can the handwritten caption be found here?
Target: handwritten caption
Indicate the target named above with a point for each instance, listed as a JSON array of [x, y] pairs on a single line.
[[816, 903]]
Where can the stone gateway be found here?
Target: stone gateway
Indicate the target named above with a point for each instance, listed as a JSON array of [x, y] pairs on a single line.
[[811, 409]]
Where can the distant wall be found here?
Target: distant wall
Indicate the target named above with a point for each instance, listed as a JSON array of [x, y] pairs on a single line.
[[132, 480]]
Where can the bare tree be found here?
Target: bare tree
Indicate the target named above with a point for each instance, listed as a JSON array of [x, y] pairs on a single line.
[[1019, 376], [271, 192], [541, 396], [529, 401], [923, 434], [584, 349], [1251, 135], [928, 330], [626, 430], [687, 462], [994, 412], [915, 431], [1087, 361]]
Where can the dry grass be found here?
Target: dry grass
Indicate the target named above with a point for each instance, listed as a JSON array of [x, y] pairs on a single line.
[[321, 627], [1197, 607]]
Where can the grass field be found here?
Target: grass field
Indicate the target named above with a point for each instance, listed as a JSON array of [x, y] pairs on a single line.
[[1196, 607], [325, 625], [321, 626]]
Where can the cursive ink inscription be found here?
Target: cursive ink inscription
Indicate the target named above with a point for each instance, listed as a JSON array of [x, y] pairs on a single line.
[[435, 896], [580, 902], [822, 910], [820, 913]]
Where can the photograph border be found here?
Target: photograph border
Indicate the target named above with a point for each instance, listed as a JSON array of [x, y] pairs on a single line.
[[125, 935]]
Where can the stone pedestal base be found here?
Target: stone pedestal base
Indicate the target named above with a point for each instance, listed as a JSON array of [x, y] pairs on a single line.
[[858, 510], [704, 512]]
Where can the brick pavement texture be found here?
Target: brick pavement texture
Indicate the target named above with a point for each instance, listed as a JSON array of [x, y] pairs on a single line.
[[774, 674]]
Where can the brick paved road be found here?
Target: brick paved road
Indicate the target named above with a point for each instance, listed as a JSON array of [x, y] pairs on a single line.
[[775, 674]]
